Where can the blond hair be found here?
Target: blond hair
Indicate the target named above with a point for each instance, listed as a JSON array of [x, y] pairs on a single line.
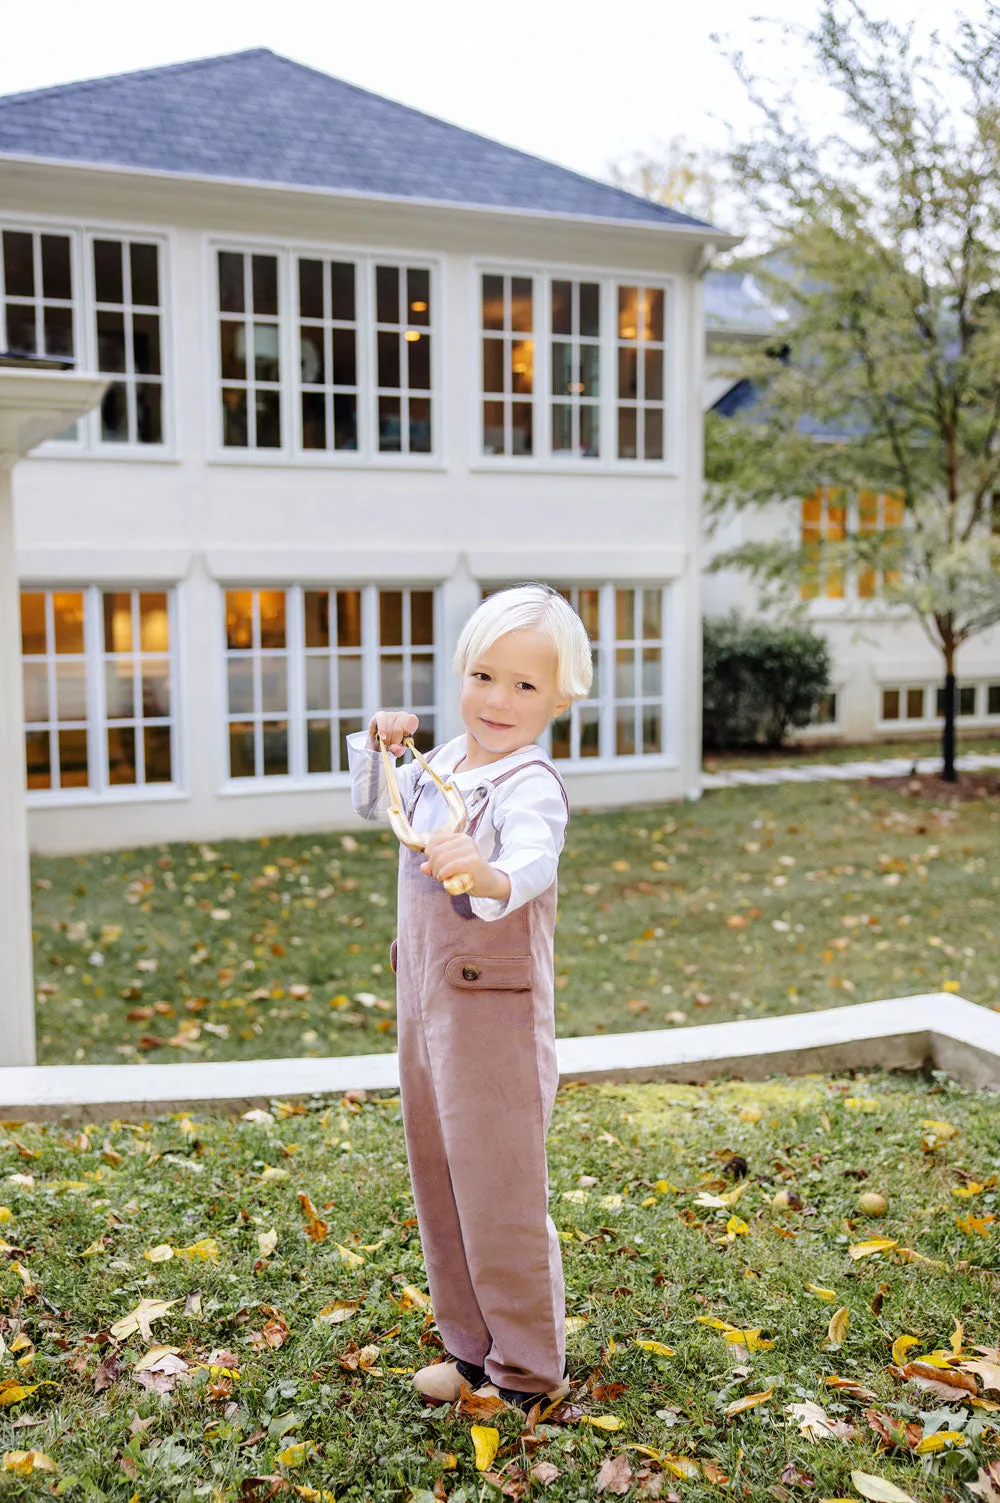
[[531, 607]]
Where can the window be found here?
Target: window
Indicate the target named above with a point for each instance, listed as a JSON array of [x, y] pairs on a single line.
[[993, 699], [328, 354], [249, 353], [906, 703], [403, 340], [576, 355], [824, 521], [508, 364], [641, 361], [37, 301], [965, 700], [127, 337], [826, 710], [878, 514], [98, 688], [307, 667], [623, 716]]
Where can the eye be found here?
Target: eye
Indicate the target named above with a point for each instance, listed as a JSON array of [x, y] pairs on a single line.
[[480, 674], [525, 685]]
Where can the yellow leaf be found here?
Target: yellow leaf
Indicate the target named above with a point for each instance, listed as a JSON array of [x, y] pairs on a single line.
[[142, 1317], [901, 1346], [296, 1453], [907, 1255], [941, 1440], [680, 1466], [602, 1421], [975, 1224], [664, 1187], [301, 1490], [267, 1242], [828, 1295], [736, 1227], [750, 1402], [878, 1490], [836, 1333], [23, 1463], [656, 1347], [486, 1441], [352, 1259], [95, 1249], [207, 1250], [873, 1245], [6, 1215], [861, 1104], [162, 1253], [957, 1337], [12, 1392], [576, 1323], [750, 1114], [340, 1310], [967, 1191], [935, 1133]]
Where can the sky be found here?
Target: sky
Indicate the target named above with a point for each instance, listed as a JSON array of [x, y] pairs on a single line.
[[580, 82]]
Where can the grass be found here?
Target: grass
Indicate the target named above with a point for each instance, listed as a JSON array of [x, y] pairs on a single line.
[[266, 1387], [752, 902], [803, 753]]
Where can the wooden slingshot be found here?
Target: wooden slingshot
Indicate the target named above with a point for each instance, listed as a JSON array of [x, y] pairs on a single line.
[[456, 822]]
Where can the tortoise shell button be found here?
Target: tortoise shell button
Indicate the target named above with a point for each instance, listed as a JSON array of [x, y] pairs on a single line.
[[469, 973]]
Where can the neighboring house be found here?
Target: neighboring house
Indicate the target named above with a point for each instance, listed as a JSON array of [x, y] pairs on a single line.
[[887, 675], [365, 366]]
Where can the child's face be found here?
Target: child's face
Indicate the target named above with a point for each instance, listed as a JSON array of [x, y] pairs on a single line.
[[509, 695]]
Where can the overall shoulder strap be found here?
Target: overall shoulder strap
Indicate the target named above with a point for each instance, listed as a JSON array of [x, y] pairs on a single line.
[[535, 762]]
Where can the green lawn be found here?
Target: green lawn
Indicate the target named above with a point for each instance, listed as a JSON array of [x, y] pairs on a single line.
[[752, 902], [803, 753], [286, 1357]]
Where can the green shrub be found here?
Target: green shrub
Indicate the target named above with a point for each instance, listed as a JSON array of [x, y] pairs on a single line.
[[759, 681]]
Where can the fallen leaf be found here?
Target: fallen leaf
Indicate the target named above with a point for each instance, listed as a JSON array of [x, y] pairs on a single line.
[[352, 1259], [850, 1387], [894, 1432], [544, 1472], [925, 1373], [935, 1133], [316, 1227], [338, 1311], [750, 1402], [267, 1242], [872, 1245], [601, 1421], [815, 1424], [987, 1483], [878, 1490], [141, 1318], [941, 1440], [836, 1333], [987, 1369], [23, 1463], [486, 1442], [12, 1392], [656, 1347], [615, 1475], [162, 1253], [901, 1346], [828, 1295]]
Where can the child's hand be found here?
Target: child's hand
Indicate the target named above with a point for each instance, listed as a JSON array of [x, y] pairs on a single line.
[[392, 726], [458, 855]]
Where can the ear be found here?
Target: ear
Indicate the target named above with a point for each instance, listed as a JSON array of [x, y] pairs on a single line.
[[561, 708]]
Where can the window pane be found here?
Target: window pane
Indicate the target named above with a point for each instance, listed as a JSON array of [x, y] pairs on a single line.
[[590, 742], [653, 325], [32, 622], [890, 704], [108, 283], [265, 284], [653, 375], [273, 683], [318, 682], [121, 754], [492, 427], [18, 264], [653, 433], [110, 341], [967, 699], [272, 618], [652, 614], [492, 302], [312, 363], [342, 291], [652, 673], [493, 365], [233, 347], [589, 422], [388, 359], [345, 421], [390, 432], [265, 352], [345, 368], [319, 746], [239, 675], [239, 618], [156, 744], [420, 425], [117, 621], [21, 336], [145, 275], [562, 427], [627, 372], [349, 683], [114, 414], [422, 679], [231, 293], [914, 704], [589, 609], [268, 420], [590, 370], [418, 292], [521, 432], [426, 735], [234, 418], [310, 289], [146, 343], [522, 365], [35, 679], [67, 613], [562, 307], [561, 737], [626, 433], [349, 618], [387, 294], [58, 326], [390, 618], [421, 617], [156, 688], [38, 759], [419, 353], [317, 617], [993, 699], [73, 759], [392, 681], [628, 312], [521, 305], [624, 673], [590, 310], [625, 615], [652, 729], [313, 420], [562, 368], [241, 752], [149, 412], [625, 731]]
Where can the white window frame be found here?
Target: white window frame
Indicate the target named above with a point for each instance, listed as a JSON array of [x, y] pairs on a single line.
[[291, 453], [933, 720], [88, 443], [544, 459], [297, 715], [99, 790]]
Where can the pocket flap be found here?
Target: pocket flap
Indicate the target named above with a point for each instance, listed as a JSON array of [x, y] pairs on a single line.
[[393, 951], [490, 973]]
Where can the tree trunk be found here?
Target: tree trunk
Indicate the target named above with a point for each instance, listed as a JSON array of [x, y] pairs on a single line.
[[948, 739]]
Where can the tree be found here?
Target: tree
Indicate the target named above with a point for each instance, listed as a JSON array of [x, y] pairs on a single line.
[[888, 378], [678, 176]]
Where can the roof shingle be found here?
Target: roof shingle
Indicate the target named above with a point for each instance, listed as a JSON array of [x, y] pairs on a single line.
[[256, 116]]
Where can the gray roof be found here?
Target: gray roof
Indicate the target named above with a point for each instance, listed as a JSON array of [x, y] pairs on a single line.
[[255, 116], [736, 303]]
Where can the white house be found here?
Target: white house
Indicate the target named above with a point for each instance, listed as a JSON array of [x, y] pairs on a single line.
[[365, 366], [887, 675]]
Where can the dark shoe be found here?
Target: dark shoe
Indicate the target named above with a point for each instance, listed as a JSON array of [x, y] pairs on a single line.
[[517, 1399]]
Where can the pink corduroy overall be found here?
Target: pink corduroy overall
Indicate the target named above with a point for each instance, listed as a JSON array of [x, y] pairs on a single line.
[[478, 1077]]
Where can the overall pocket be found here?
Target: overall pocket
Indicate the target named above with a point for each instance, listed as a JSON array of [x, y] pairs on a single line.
[[393, 951], [490, 973]]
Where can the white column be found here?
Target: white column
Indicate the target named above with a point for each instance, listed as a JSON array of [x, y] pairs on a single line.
[[17, 993]]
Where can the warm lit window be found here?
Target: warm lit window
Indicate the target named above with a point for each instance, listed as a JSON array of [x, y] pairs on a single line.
[[878, 514], [328, 354], [403, 359], [641, 372], [249, 350], [824, 521], [575, 368], [98, 690], [508, 349], [128, 339], [307, 667]]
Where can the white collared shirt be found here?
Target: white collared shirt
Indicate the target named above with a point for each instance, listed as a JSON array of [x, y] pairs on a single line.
[[527, 813]]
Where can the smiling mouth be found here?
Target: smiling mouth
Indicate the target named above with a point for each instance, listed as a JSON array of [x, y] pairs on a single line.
[[496, 725]]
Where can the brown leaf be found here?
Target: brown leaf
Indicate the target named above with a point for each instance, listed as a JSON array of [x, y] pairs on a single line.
[[987, 1484], [608, 1393], [879, 1299], [942, 1381], [615, 1475], [714, 1473], [793, 1477], [989, 1372], [544, 1472], [893, 1432], [108, 1373], [471, 1407], [850, 1388]]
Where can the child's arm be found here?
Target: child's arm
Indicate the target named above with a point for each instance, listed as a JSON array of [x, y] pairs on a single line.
[[369, 790]]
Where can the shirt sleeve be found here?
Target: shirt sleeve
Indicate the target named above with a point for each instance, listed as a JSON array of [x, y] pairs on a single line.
[[369, 789], [530, 819]]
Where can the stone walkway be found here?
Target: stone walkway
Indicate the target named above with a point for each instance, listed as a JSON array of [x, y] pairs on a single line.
[[819, 772]]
